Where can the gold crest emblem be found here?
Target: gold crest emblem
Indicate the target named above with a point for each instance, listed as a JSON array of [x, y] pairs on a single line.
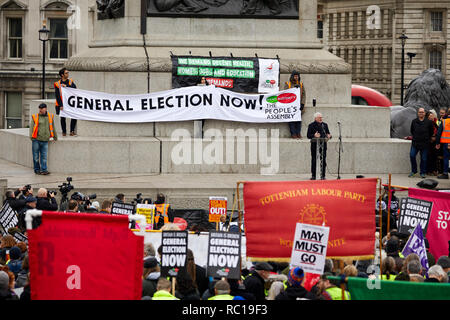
[[313, 214]]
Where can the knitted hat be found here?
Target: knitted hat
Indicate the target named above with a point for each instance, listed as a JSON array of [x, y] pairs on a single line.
[[15, 253], [295, 276], [4, 280], [150, 262]]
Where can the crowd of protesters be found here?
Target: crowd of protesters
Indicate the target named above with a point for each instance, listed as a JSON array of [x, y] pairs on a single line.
[[259, 281], [430, 137]]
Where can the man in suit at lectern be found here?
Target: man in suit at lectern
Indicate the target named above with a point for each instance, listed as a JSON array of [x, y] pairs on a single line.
[[318, 129]]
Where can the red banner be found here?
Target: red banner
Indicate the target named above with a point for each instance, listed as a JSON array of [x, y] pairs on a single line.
[[80, 256], [438, 231], [272, 210]]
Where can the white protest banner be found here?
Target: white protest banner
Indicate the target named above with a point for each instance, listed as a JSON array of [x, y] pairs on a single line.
[[174, 252], [310, 247], [182, 104], [269, 73]]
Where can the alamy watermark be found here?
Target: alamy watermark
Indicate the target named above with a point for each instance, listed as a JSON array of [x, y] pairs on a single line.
[[235, 146], [373, 14]]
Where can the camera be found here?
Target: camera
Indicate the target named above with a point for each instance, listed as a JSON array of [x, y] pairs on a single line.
[[81, 197], [66, 187], [138, 199], [51, 192]]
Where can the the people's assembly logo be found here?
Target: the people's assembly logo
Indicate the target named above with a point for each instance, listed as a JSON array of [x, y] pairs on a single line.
[[313, 214]]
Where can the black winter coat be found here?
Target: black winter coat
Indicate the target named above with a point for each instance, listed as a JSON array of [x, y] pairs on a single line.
[[421, 132], [292, 293], [255, 285]]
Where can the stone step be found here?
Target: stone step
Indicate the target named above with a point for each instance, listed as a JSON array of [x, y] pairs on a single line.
[[253, 155], [356, 122]]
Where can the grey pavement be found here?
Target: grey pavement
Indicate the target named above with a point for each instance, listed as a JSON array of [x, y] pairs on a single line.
[[18, 175]]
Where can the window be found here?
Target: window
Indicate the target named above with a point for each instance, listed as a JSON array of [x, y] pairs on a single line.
[[436, 59], [320, 29], [58, 39], [330, 26], [15, 37], [359, 101], [13, 112], [436, 21]]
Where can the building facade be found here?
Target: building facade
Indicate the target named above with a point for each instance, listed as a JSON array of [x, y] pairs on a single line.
[[21, 57], [366, 35]]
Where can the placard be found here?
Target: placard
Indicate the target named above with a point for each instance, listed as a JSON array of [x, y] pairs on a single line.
[[174, 252], [147, 210], [122, 208], [412, 212], [217, 208], [8, 218], [309, 248], [224, 253]]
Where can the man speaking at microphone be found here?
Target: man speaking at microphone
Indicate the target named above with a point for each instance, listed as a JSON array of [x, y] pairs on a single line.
[[318, 129]]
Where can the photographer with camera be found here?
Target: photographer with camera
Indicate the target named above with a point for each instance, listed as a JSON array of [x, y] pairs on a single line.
[[294, 82], [46, 200], [15, 203], [26, 191], [82, 201]]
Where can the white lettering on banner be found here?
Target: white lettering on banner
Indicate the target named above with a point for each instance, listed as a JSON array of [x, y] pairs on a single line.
[[216, 260], [443, 217], [182, 104], [173, 260]]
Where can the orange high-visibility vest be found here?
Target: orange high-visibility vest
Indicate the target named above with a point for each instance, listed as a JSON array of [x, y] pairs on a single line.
[[162, 210], [57, 84], [445, 136], [36, 125], [289, 85]]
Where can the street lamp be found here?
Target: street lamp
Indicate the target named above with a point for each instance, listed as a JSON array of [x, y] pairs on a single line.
[[403, 38], [43, 36]]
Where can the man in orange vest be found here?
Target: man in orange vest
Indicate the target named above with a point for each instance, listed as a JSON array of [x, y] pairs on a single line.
[[443, 140], [294, 82], [41, 132], [65, 81], [163, 212]]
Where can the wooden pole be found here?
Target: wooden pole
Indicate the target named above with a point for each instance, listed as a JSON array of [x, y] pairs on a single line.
[[239, 203], [342, 285], [173, 286], [381, 226], [389, 206]]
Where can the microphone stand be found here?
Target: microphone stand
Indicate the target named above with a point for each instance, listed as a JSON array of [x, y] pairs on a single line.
[[340, 147]]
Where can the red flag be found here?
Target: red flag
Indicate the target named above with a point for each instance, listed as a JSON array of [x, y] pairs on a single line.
[[438, 231], [80, 256], [272, 210]]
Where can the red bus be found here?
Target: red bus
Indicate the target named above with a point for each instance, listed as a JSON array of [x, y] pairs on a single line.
[[369, 97]]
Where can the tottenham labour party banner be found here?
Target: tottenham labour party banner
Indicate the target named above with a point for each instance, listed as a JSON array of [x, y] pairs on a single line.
[[80, 256], [347, 207], [438, 231]]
